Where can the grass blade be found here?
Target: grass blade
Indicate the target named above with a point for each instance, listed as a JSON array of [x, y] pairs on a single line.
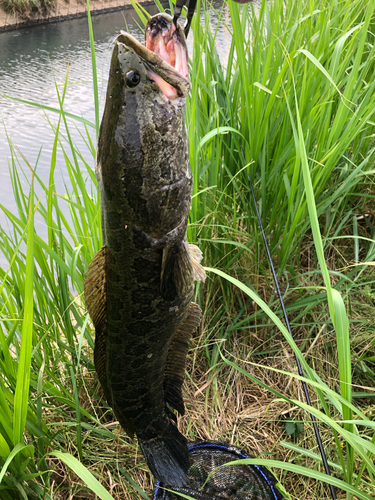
[[21, 398], [94, 72], [83, 473]]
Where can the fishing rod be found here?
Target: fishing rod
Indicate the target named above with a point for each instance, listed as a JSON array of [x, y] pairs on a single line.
[[300, 369]]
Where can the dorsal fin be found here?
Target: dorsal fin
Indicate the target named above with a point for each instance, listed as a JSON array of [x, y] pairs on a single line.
[[96, 303], [199, 274], [176, 361]]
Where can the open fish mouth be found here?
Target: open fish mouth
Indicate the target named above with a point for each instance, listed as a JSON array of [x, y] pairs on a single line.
[[165, 55]]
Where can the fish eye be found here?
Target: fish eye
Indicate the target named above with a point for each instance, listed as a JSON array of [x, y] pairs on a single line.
[[132, 78]]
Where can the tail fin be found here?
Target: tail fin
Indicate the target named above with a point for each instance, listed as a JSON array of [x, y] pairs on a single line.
[[168, 457]]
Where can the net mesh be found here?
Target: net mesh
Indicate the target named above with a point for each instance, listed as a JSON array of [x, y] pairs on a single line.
[[234, 482]]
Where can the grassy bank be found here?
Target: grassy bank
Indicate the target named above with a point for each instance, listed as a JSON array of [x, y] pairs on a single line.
[[26, 7], [298, 89]]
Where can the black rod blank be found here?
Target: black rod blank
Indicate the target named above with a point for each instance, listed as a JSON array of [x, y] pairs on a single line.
[[300, 370]]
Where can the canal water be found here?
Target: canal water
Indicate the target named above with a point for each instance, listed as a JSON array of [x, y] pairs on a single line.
[[31, 61]]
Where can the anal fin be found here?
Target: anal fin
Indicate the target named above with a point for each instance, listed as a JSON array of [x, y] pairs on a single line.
[[176, 360]]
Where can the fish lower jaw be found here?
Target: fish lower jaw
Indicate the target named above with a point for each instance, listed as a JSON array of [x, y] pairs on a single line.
[[168, 90]]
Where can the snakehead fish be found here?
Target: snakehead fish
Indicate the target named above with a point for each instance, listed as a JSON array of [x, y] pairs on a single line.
[[139, 286]]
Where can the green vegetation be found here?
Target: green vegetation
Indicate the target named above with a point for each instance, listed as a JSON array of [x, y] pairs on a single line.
[[298, 88], [25, 8]]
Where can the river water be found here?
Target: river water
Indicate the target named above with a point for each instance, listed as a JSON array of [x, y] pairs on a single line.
[[31, 60]]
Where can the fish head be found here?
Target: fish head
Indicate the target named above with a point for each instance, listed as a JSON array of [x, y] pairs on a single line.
[[164, 57]]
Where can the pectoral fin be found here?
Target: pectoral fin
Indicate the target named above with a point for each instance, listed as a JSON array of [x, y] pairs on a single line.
[[196, 257], [176, 271], [96, 303], [176, 360]]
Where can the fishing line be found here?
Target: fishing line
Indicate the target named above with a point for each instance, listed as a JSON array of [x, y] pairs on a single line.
[[189, 16], [300, 370]]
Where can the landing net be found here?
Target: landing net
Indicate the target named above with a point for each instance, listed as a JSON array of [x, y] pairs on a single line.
[[231, 482]]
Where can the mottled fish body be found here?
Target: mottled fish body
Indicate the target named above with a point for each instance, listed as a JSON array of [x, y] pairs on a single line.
[[139, 287]]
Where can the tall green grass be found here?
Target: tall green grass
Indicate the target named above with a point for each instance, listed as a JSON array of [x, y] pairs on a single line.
[[298, 89], [318, 54]]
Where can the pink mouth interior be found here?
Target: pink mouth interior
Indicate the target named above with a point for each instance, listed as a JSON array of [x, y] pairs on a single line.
[[165, 43]]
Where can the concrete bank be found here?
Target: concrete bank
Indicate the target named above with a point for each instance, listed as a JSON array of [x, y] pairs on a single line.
[[64, 10]]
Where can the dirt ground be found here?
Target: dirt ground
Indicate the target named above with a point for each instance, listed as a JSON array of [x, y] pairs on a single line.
[[63, 10]]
